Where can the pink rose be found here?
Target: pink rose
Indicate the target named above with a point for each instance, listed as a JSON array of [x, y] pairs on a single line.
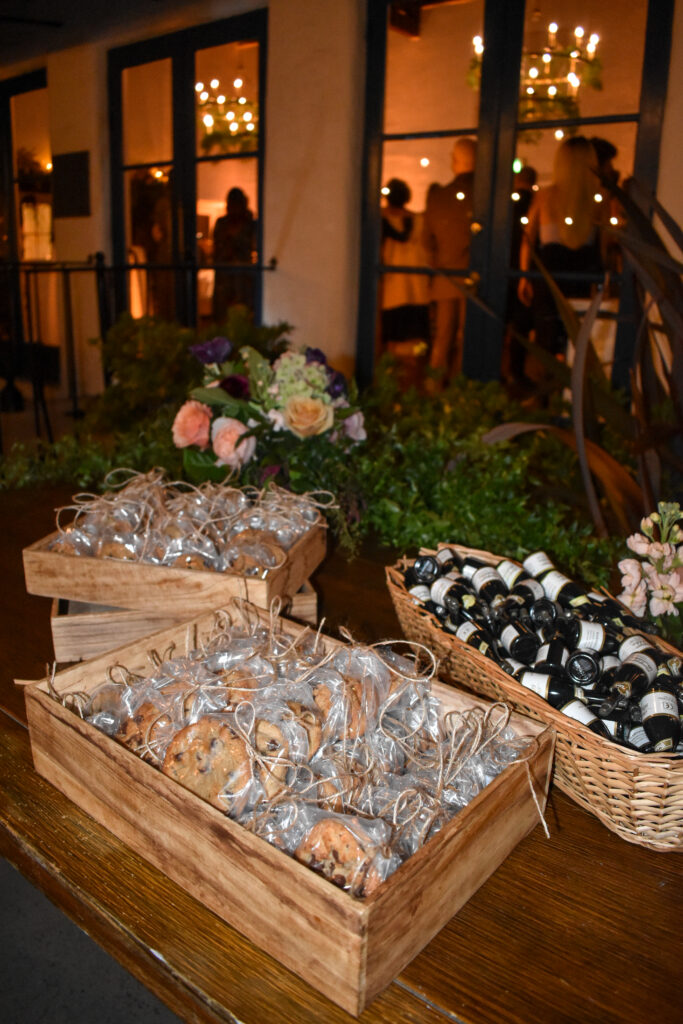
[[191, 425], [229, 443]]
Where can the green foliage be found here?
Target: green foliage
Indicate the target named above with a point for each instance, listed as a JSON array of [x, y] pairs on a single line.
[[149, 365]]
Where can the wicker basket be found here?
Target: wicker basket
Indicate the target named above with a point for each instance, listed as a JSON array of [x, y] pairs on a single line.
[[638, 796]]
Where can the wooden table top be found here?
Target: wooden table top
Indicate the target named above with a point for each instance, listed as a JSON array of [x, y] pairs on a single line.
[[582, 927]]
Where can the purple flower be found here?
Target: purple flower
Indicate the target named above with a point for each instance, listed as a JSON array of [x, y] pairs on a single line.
[[315, 355], [216, 350], [268, 473], [236, 385], [336, 385]]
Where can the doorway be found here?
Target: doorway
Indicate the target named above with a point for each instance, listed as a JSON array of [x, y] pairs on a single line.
[[187, 131], [490, 71]]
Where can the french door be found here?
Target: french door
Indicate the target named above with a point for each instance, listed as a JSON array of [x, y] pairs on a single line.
[[492, 71], [187, 130]]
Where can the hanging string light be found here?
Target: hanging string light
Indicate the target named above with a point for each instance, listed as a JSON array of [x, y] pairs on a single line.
[[227, 124]]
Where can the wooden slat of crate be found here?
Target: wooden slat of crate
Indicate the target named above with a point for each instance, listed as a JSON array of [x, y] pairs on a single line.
[[81, 630], [175, 591], [346, 948]]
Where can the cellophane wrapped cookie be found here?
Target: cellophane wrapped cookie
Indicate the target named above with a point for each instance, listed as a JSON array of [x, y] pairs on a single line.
[[339, 755], [215, 527]]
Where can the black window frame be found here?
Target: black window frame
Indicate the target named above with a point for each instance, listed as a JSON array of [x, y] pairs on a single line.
[[180, 47]]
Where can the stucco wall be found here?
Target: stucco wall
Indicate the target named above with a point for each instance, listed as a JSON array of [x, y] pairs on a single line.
[[313, 154]]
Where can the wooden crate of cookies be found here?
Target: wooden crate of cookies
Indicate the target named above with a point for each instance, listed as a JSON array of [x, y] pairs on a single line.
[[348, 946], [177, 550]]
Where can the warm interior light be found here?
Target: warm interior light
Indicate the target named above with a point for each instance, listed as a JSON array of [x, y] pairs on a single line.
[[614, 220], [597, 197], [574, 79], [246, 116], [220, 99], [48, 165], [530, 90], [199, 86], [515, 197], [546, 58], [157, 173], [578, 32], [569, 221], [233, 126], [594, 38], [250, 127], [523, 220], [552, 90], [424, 162], [460, 195], [242, 99], [230, 116], [204, 96], [590, 48], [208, 120], [559, 134], [214, 83], [535, 188], [238, 83], [533, 72], [552, 27]]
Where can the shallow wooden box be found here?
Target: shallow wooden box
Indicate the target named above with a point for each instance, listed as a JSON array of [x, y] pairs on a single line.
[[175, 592], [348, 949], [81, 631]]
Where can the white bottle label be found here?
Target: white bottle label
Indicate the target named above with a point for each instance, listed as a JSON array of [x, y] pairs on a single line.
[[609, 661], [591, 636], [537, 563], [553, 583], [610, 725], [535, 588], [644, 662], [483, 576], [659, 703], [510, 572], [465, 630], [509, 634], [444, 555], [419, 593], [539, 682], [577, 710], [631, 645], [440, 588]]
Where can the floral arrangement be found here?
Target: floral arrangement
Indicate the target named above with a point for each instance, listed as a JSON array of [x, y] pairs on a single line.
[[253, 411], [653, 582]]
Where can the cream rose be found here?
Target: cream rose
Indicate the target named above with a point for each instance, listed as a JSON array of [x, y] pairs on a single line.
[[226, 434], [191, 425], [307, 417]]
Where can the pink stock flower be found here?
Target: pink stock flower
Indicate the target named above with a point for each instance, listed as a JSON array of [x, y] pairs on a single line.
[[662, 552], [636, 599], [191, 425], [354, 426], [226, 434], [638, 543], [630, 568]]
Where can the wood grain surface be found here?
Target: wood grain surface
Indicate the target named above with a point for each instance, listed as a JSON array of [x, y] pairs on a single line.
[[582, 927]]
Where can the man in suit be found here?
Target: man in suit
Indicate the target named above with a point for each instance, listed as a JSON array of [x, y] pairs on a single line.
[[447, 222]]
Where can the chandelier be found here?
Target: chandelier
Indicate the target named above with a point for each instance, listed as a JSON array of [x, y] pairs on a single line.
[[555, 66], [226, 123]]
